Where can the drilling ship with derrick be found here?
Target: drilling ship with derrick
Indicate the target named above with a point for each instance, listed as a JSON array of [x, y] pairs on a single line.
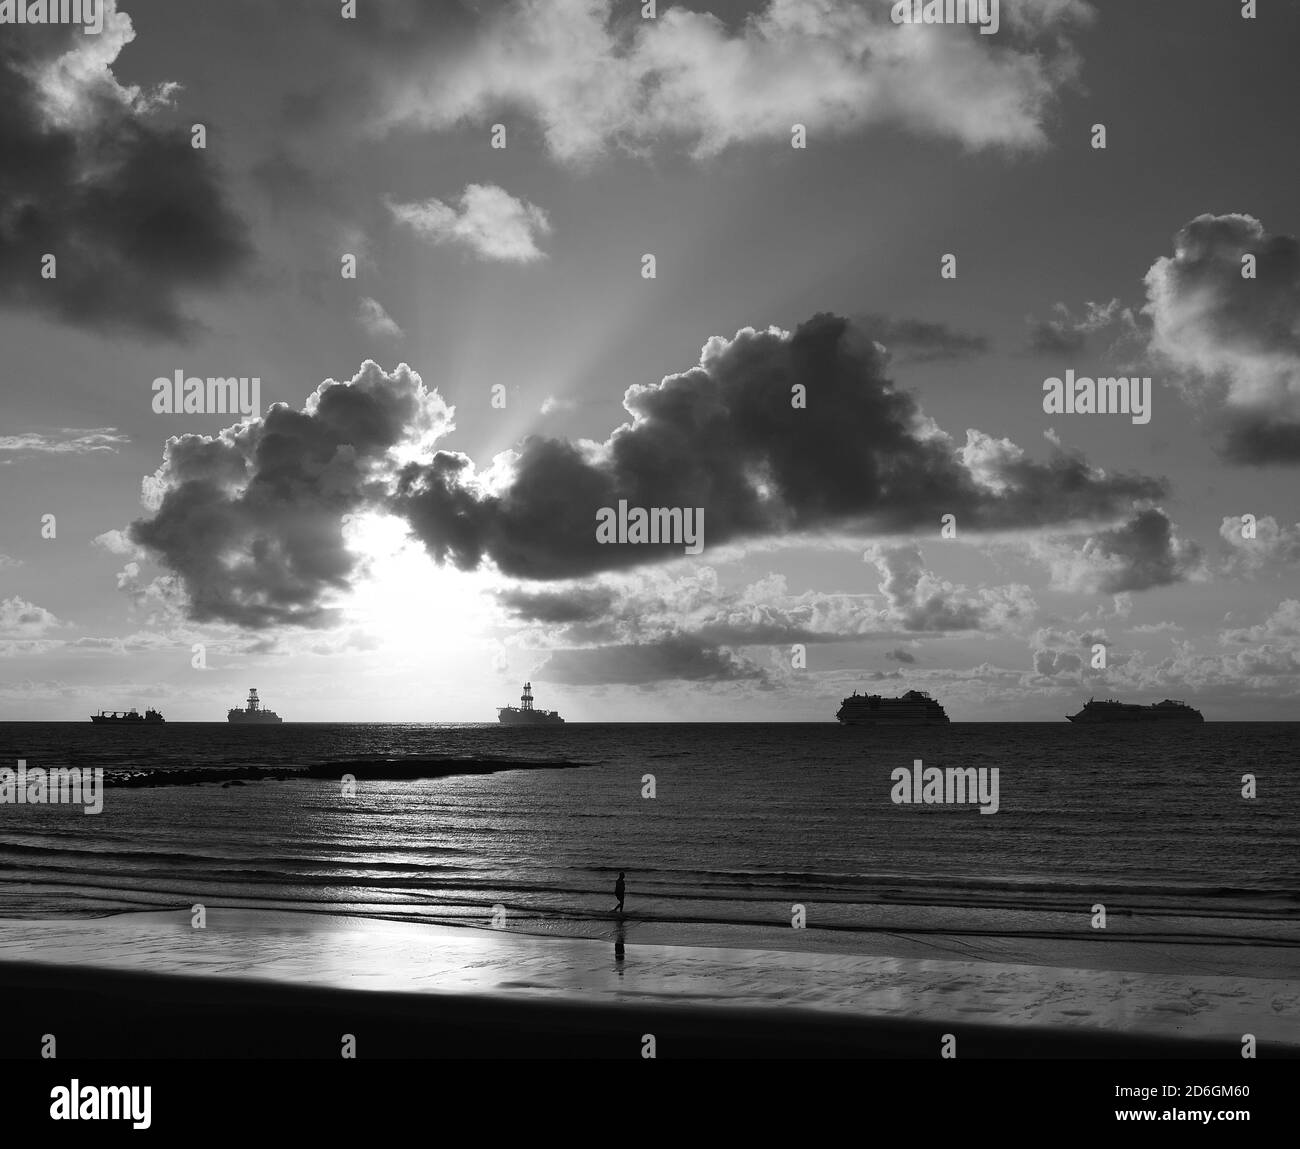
[[525, 715], [253, 714]]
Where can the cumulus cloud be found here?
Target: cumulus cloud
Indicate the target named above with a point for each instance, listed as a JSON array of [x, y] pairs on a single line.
[[135, 215], [1062, 654], [486, 220], [22, 619], [898, 654], [1233, 339], [1275, 547], [1051, 663], [251, 521], [1283, 626], [724, 436], [592, 80], [1142, 553], [920, 601], [117, 542]]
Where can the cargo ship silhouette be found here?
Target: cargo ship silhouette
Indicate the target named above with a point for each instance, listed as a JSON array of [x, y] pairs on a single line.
[[915, 708], [525, 715], [128, 717], [1111, 710]]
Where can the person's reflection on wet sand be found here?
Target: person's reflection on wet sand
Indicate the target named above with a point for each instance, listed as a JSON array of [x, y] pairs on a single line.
[[618, 949]]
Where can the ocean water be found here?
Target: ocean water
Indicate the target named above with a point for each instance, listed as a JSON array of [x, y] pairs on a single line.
[[747, 820]]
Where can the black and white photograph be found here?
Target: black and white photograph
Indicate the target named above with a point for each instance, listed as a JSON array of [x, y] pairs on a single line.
[[629, 531]]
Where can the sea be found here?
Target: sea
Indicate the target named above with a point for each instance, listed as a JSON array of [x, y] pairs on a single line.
[[715, 826]]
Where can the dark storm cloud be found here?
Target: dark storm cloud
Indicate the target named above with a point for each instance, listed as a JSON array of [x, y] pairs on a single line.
[[724, 436], [252, 521], [900, 655], [134, 215], [917, 341], [681, 657], [1233, 335]]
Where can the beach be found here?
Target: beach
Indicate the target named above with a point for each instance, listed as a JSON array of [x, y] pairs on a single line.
[[256, 983], [470, 913]]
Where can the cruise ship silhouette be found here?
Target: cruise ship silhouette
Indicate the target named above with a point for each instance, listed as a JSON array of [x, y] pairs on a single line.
[[915, 708], [1111, 710]]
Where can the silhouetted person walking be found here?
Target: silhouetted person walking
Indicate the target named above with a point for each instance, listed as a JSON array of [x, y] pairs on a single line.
[[620, 889]]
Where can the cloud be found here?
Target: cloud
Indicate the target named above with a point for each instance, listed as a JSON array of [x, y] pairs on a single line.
[[116, 542], [135, 216], [1234, 340], [1282, 625], [1050, 663], [8, 563], [916, 341], [1274, 548], [572, 604], [487, 220], [652, 608], [921, 601], [724, 436], [652, 605], [1068, 334], [377, 322], [251, 520], [694, 611], [1142, 553], [22, 619], [674, 658], [593, 81], [65, 441]]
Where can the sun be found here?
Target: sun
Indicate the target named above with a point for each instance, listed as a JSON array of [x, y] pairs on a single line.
[[408, 602]]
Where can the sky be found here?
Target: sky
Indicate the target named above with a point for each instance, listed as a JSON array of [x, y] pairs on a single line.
[[424, 229]]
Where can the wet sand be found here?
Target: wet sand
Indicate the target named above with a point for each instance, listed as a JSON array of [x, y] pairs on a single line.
[[268, 984]]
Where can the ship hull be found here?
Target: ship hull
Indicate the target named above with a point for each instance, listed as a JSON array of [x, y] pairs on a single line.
[[261, 718], [512, 716], [901, 720], [1142, 715], [104, 720]]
